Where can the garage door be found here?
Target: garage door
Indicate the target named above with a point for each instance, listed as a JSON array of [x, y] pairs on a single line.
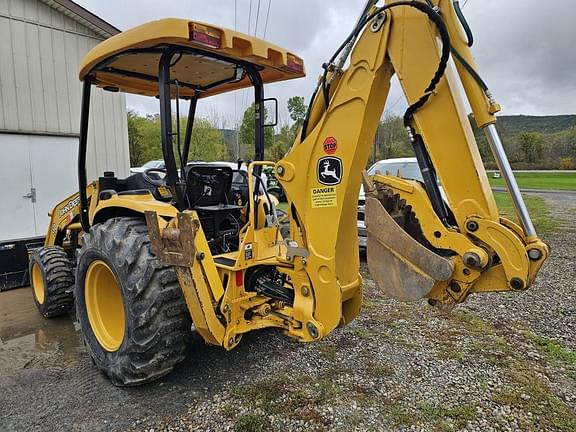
[[36, 173]]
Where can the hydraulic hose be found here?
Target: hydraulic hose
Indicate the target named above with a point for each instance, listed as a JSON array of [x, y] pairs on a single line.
[[470, 70], [464, 23], [445, 38]]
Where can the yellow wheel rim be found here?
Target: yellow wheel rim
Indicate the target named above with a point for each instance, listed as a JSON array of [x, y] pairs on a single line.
[[104, 305], [38, 283]]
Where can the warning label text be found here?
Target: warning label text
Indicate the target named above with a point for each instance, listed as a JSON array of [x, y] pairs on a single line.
[[324, 197]]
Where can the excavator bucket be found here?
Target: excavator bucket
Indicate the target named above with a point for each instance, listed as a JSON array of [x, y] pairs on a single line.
[[401, 266]]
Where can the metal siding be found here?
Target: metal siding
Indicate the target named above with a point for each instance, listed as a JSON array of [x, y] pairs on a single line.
[[31, 10], [7, 88], [49, 90], [74, 90], [16, 8], [121, 126], [39, 89], [20, 64], [35, 77]]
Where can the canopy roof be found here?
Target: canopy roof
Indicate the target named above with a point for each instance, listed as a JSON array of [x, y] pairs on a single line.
[[209, 61]]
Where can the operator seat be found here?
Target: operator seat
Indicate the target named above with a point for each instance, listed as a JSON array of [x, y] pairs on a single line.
[[207, 190], [207, 185]]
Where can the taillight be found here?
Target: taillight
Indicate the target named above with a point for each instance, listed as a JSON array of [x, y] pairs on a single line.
[[205, 35], [239, 278], [295, 64]]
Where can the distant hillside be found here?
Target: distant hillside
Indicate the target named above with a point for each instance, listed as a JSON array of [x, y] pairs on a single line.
[[558, 133], [542, 124], [531, 142], [514, 124]]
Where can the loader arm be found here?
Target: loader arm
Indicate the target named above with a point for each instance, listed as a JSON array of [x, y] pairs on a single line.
[[465, 236]]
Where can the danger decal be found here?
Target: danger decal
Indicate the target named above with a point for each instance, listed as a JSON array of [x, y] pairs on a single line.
[[324, 197]]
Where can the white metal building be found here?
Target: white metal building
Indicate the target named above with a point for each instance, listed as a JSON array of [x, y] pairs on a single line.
[[41, 45]]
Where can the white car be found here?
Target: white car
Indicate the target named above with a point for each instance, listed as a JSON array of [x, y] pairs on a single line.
[[407, 168], [156, 164]]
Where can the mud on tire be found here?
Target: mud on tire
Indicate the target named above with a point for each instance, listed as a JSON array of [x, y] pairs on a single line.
[[52, 280], [157, 323]]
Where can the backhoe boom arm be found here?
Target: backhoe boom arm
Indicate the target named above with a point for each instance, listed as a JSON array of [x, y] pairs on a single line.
[[320, 174]]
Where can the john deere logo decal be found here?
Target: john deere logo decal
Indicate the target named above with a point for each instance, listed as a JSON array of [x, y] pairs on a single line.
[[329, 171]]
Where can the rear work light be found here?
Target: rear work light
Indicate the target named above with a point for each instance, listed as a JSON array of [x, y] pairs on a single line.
[[205, 35], [295, 64]]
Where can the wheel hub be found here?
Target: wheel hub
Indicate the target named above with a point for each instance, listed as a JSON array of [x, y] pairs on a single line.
[[38, 283], [104, 305]]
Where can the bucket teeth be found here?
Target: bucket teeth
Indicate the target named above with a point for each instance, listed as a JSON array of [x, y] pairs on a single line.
[[400, 263]]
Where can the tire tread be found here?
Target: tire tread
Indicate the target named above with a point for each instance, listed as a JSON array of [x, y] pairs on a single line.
[[58, 275], [156, 338]]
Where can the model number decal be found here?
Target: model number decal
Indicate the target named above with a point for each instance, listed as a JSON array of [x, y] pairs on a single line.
[[69, 206]]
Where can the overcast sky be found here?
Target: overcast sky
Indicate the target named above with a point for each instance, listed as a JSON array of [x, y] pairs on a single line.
[[527, 55]]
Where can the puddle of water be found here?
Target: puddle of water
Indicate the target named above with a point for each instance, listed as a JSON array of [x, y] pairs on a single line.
[[25, 336]]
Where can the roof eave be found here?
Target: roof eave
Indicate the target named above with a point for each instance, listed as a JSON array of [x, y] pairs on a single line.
[[84, 17]]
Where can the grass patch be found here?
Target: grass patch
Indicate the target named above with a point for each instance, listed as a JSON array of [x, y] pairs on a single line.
[[460, 415], [450, 352], [472, 323], [550, 413], [378, 370], [435, 415], [228, 411], [362, 333], [279, 396], [539, 180], [555, 353], [370, 305], [251, 423], [543, 220], [400, 416], [327, 351], [326, 390], [265, 391]]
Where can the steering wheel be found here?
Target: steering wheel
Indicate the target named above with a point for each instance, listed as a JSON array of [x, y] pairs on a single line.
[[154, 180]]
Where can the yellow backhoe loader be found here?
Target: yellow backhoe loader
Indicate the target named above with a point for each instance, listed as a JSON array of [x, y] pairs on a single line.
[[145, 257]]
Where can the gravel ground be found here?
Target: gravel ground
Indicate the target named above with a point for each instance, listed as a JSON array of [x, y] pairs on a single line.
[[501, 362]]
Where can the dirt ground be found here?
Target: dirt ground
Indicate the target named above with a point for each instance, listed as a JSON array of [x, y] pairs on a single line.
[[500, 362]]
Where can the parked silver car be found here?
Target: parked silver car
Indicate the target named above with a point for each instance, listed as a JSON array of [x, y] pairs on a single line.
[[153, 164]]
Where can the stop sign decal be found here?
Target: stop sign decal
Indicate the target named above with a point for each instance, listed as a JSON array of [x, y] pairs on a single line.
[[330, 145]]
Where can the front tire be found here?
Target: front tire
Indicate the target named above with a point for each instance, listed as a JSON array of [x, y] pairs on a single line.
[[130, 306], [52, 281]]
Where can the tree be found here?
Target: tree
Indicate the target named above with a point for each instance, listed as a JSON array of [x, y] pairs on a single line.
[[282, 142], [567, 164], [391, 140], [248, 136], [532, 145], [297, 110], [135, 140], [207, 142], [145, 142]]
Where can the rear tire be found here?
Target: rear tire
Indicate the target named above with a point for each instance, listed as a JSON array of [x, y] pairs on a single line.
[[52, 281], [130, 306]]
